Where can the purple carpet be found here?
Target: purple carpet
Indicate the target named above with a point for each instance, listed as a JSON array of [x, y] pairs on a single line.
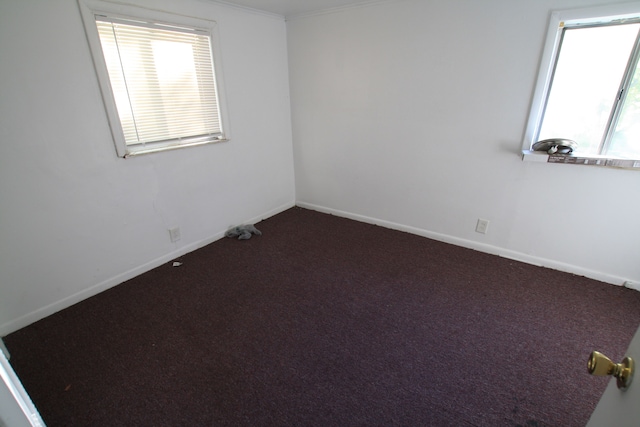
[[323, 321]]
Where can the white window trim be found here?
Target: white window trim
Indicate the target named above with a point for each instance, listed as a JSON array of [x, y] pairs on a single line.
[[560, 18], [88, 9]]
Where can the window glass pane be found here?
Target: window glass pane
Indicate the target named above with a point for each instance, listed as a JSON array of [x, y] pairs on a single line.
[[626, 139], [588, 74], [162, 80], [118, 86]]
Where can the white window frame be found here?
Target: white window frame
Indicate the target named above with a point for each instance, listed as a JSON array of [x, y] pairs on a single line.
[[89, 9], [558, 20]]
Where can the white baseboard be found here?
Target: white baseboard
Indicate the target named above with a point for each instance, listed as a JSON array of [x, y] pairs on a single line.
[[45, 311], [470, 244], [70, 300]]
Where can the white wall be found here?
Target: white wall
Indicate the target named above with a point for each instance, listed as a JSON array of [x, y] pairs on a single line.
[[74, 218], [411, 114]]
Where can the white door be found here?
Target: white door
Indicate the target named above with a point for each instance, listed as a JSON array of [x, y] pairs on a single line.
[[619, 408], [16, 409]]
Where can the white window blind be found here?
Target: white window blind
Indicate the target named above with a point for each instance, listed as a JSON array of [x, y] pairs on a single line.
[[163, 82]]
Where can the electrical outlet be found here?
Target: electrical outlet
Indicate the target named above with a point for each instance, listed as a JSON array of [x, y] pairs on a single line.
[[174, 234], [482, 226]]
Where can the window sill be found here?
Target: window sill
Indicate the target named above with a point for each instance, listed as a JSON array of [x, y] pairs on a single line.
[[156, 148], [542, 157]]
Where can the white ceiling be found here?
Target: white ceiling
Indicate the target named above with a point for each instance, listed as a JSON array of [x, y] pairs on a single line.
[[295, 7]]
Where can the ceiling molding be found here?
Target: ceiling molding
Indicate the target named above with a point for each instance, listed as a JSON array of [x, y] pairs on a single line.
[[336, 9], [297, 15], [232, 5]]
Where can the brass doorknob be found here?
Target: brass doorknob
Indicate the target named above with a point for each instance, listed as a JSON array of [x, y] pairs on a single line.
[[599, 364]]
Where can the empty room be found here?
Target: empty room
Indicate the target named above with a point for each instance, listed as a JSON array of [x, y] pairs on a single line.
[[444, 194]]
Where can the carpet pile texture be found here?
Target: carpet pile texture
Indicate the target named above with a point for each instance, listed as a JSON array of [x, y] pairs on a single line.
[[324, 321]]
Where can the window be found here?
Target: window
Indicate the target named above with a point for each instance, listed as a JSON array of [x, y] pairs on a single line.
[[588, 89], [157, 77]]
